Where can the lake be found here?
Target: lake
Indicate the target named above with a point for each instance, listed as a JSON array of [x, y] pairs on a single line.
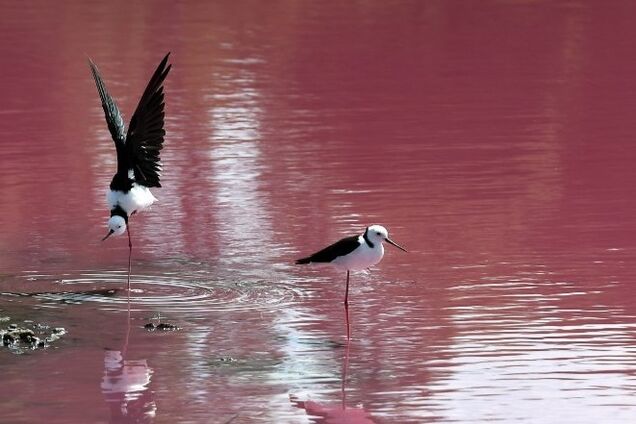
[[494, 140]]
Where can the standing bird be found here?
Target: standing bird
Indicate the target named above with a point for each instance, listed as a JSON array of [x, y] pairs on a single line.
[[353, 254], [138, 163]]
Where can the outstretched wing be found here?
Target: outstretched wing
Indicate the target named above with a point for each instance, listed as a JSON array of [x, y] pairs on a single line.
[[340, 248], [114, 119], [144, 139]]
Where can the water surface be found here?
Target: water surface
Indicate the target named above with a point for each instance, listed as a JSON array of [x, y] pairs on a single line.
[[494, 140]]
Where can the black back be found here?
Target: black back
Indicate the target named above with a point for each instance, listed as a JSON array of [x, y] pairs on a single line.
[[328, 254], [121, 182], [139, 148], [118, 210]]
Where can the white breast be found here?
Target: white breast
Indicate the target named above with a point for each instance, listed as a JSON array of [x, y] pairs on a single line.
[[136, 200], [361, 258]]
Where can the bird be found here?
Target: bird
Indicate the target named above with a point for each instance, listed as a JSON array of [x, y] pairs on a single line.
[[138, 148], [353, 253]]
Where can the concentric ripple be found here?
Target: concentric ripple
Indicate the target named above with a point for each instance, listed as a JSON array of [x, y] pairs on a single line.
[[166, 292]]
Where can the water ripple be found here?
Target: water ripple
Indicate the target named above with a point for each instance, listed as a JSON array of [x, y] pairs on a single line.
[[169, 292]]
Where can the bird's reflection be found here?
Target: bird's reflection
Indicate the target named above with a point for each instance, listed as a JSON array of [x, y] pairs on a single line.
[[125, 385], [336, 413]]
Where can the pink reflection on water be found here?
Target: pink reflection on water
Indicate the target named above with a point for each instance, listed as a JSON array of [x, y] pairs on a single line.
[[126, 390], [126, 385], [335, 413]]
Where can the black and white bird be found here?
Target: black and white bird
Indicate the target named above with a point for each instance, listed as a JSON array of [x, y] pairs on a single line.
[[354, 253], [138, 162]]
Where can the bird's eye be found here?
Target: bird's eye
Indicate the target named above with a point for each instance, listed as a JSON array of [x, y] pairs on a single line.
[[378, 233]]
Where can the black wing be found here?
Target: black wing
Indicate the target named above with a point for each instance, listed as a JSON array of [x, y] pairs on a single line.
[[144, 140], [114, 119], [329, 253]]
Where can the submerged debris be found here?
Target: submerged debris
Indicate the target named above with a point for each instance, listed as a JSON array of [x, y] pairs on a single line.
[[163, 326], [29, 336]]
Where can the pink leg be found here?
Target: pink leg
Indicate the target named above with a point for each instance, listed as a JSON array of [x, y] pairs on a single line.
[[129, 258], [346, 301], [347, 322], [346, 306]]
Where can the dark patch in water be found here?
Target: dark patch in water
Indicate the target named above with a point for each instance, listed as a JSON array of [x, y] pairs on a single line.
[[163, 326], [29, 336], [244, 365], [67, 297]]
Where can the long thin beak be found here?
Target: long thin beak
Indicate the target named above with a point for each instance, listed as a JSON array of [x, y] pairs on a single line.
[[388, 240], [108, 235]]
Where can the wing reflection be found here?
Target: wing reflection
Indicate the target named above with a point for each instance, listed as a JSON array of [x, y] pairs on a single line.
[[125, 386]]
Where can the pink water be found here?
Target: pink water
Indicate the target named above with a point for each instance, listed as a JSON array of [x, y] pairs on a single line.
[[494, 139]]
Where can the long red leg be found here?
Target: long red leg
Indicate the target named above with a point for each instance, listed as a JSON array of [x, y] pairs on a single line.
[[129, 258], [346, 300], [346, 306]]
